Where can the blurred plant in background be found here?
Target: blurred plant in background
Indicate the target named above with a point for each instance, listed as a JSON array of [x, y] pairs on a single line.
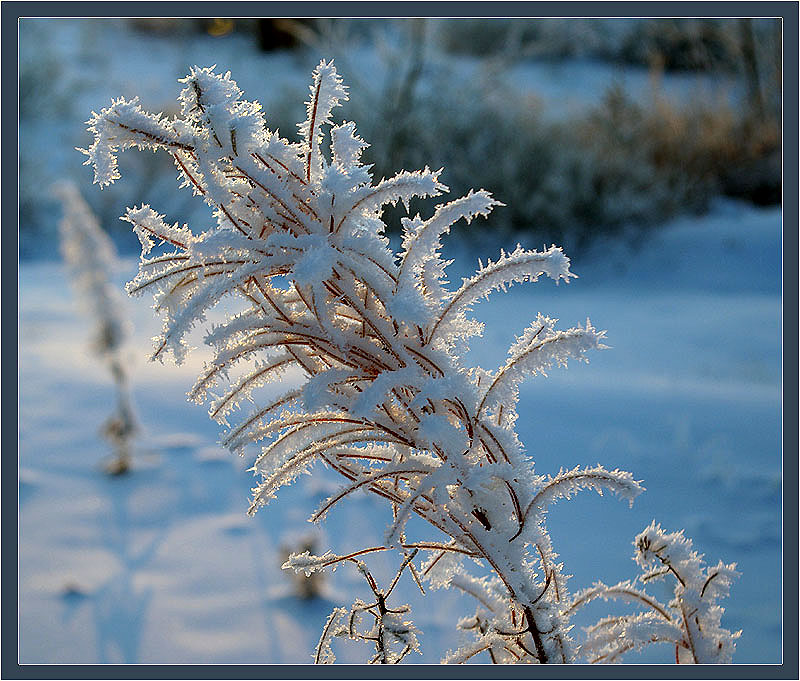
[[92, 262]]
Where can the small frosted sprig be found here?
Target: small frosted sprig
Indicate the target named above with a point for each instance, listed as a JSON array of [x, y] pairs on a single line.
[[691, 621], [392, 636]]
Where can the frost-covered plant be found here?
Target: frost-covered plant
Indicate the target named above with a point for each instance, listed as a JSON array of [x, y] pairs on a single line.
[[386, 401], [691, 621], [91, 260], [392, 636]]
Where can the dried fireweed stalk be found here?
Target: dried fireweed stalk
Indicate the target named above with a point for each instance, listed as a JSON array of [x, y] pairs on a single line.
[[387, 401]]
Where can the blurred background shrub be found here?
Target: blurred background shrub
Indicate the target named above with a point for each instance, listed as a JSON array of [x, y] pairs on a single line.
[[457, 93]]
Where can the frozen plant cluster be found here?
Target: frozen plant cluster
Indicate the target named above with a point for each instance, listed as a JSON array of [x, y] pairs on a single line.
[[386, 400]]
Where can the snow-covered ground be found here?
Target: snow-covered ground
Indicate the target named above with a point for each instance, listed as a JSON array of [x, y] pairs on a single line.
[[163, 565]]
